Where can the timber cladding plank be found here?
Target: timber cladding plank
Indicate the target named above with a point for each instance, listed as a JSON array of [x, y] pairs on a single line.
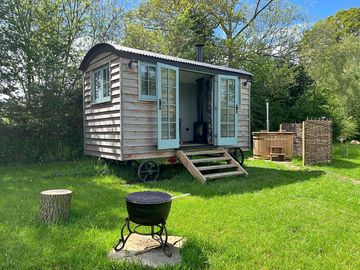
[[103, 149], [131, 128], [244, 113], [141, 143], [103, 155], [101, 60], [129, 89], [102, 116], [130, 83], [139, 106], [134, 97], [130, 120], [150, 155], [101, 122], [102, 109], [115, 98], [245, 106], [102, 142], [114, 101], [103, 136], [135, 135], [149, 114], [108, 129], [130, 75], [115, 83], [115, 70]]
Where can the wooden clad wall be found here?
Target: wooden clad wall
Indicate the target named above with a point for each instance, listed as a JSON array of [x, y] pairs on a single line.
[[139, 118], [102, 122], [244, 123]]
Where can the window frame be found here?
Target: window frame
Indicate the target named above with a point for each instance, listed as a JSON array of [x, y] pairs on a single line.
[[147, 97], [101, 98]]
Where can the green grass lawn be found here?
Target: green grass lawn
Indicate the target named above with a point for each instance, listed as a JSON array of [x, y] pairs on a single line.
[[279, 217]]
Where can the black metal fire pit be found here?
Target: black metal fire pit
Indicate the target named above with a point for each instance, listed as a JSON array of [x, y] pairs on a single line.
[[147, 208]]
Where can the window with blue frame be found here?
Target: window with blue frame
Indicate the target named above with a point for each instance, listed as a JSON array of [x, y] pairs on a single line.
[[100, 90], [147, 81]]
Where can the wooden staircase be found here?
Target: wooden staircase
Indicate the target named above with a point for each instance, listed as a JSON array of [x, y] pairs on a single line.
[[204, 164]]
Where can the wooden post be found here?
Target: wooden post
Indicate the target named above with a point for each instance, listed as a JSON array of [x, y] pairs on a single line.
[[303, 143], [55, 205]]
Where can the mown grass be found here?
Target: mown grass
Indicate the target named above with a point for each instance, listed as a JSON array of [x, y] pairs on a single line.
[[346, 161], [279, 217]]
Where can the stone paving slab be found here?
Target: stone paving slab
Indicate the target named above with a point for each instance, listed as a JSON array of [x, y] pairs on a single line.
[[138, 249]]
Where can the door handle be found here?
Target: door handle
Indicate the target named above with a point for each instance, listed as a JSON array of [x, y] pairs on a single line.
[[159, 104], [236, 108]]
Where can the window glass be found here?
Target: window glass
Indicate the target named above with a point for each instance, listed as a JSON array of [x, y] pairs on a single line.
[[147, 81], [227, 114], [100, 90]]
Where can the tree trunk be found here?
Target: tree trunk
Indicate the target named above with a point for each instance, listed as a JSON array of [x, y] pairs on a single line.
[[55, 205]]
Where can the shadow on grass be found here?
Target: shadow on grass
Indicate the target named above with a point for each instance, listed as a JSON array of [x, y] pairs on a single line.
[[340, 164], [176, 178]]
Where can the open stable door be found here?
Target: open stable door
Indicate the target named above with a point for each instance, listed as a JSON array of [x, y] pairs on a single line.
[[226, 98], [168, 106]]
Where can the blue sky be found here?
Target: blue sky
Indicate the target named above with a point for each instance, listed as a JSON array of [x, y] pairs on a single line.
[[315, 9], [320, 9]]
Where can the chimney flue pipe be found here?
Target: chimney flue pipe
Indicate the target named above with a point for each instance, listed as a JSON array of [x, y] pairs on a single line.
[[199, 52]]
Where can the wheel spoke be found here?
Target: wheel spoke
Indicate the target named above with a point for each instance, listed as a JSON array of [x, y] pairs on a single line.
[[148, 171]]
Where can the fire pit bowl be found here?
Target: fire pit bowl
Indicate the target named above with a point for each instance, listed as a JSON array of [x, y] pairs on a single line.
[[148, 208]]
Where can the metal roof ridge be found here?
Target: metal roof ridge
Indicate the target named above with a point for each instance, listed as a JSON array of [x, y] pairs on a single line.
[[177, 59]]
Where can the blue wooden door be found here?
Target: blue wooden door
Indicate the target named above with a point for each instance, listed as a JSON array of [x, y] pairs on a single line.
[[227, 98], [168, 106]]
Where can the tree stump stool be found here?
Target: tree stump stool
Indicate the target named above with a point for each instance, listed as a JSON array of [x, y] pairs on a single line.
[[55, 205]]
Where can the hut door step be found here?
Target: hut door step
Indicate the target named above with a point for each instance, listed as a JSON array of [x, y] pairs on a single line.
[[209, 163]]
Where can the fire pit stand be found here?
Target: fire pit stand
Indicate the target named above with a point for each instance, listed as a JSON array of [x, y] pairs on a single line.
[[157, 232], [148, 209]]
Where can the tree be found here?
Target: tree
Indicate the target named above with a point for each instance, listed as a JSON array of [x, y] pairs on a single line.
[[42, 43], [331, 55], [259, 36], [233, 31], [248, 30]]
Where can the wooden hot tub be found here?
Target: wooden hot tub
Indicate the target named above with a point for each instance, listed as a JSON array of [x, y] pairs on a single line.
[[267, 142]]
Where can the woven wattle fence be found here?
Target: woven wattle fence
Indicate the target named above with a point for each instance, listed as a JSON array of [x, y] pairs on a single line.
[[312, 140]]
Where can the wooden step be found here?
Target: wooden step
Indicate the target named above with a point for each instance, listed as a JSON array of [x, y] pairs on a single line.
[[277, 149], [277, 154], [203, 152], [197, 172], [277, 146], [210, 159], [190, 166], [216, 167], [222, 174]]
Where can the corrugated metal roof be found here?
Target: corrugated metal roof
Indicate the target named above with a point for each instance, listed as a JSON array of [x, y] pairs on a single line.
[[177, 59]]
